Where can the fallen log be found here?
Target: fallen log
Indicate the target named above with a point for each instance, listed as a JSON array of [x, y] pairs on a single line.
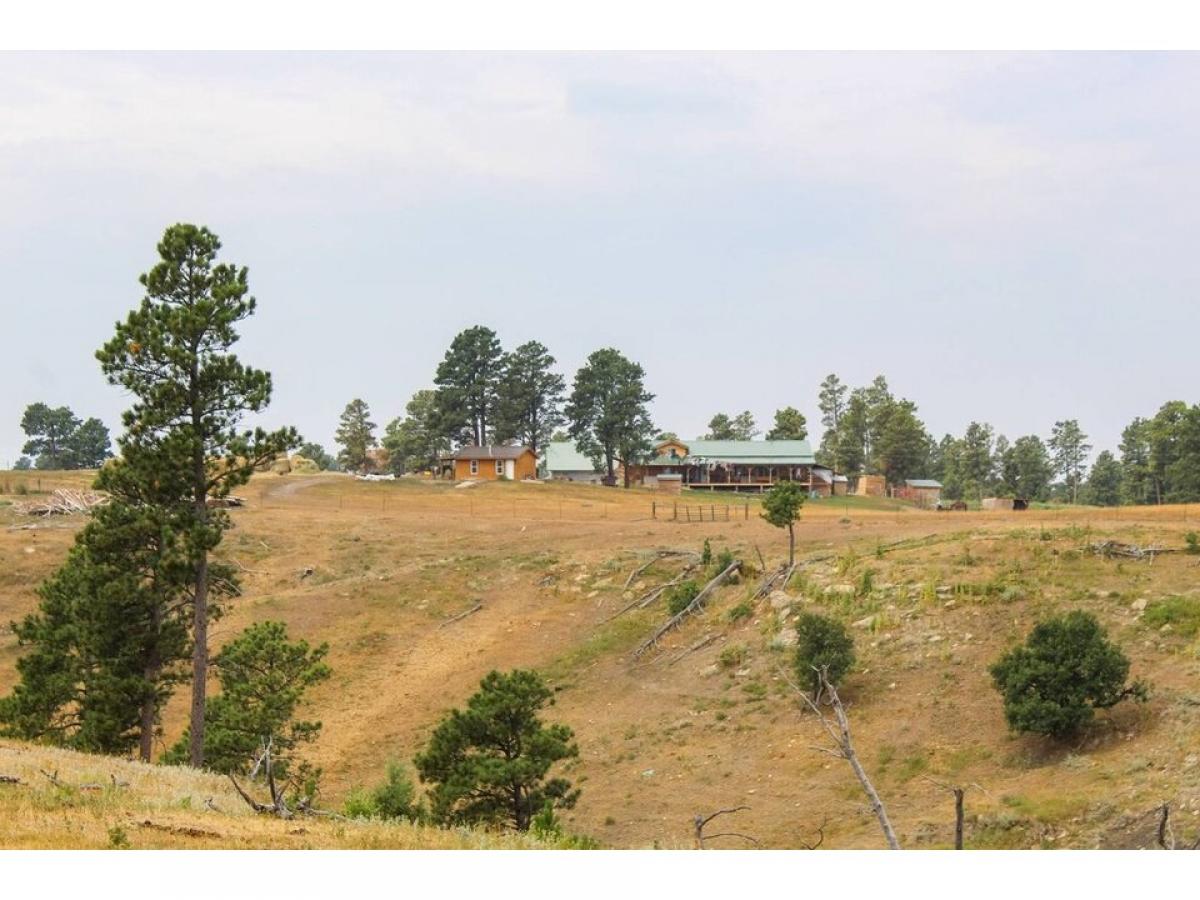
[[183, 830], [9, 779], [699, 645], [658, 555], [653, 594], [462, 615], [695, 606]]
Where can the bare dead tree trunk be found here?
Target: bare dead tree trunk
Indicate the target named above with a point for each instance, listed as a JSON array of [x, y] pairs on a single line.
[[845, 750], [699, 821], [958, 818]]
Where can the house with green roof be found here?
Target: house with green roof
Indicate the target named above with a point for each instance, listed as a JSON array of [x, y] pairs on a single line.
[[730, 465]]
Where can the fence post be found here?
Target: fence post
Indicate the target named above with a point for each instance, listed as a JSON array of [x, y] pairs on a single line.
[[675, 513], [712, 514], [653, 509], [746, 509]]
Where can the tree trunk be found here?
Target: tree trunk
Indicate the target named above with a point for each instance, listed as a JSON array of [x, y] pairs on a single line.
[[151, 672], [791, 545], [958, 818], [200, 597]]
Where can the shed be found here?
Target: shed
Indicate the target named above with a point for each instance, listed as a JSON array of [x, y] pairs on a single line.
[[490, 463], [564, 462]]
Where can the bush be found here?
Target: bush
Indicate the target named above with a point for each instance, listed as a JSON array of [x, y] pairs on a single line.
[[733, 656], [706, 553], [394, 799], [724, 560], [679, 596], [1192, 540], [743, 610], [822, 644], [1065, 671]]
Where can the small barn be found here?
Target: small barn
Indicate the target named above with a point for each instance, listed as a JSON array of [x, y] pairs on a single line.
[[490, 463], [924, 492], [563, 462]]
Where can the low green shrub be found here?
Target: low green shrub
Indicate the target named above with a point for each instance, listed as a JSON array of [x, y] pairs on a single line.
[[680, 595]]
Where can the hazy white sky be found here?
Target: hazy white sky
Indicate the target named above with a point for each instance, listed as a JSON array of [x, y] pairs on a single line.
[[1007, 238]]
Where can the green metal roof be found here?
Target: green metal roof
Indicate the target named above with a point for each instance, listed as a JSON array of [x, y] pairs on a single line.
[[746, 453], [561, 456]]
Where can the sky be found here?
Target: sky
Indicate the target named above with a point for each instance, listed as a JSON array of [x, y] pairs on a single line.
[[1007, 238]]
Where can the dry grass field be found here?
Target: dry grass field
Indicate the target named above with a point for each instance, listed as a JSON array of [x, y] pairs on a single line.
[[671, 735]]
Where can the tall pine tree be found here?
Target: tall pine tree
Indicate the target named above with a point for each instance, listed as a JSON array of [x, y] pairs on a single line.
[[529, 397], [467, 380], [190, 393]]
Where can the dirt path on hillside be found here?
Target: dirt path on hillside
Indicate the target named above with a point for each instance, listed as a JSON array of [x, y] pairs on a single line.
[[398, 697]]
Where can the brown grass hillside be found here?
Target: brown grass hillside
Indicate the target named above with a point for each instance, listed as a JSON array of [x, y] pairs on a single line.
[[667, 737]]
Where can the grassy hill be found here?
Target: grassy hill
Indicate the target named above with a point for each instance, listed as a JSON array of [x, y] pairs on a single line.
[[673, 733]]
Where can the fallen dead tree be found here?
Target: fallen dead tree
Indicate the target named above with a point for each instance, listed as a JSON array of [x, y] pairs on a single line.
[[698, 823], [695, 606], [654, 593], [180, 830], [1110, 549], [780, 577], [657, 555], [63, 502], [462, 615], [839, 731]]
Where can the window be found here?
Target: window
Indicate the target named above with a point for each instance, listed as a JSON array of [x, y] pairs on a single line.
[[474, 467], [499, 467]]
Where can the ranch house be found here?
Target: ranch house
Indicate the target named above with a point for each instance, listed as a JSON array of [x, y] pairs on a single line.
[[729, 465], [489, 463]]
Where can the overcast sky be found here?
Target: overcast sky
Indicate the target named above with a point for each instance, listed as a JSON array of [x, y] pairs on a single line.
[[1011, 239]]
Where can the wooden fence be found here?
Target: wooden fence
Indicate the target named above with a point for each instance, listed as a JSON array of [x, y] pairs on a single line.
[[692, 512]]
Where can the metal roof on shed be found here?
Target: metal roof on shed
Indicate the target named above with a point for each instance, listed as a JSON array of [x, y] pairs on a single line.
[[562, 456], [922, 483]]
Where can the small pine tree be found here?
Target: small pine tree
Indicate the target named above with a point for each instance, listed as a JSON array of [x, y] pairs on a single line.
[[356, 435], [263, 678], [679, 596], [489, 763], [781, 507], [822, 645], [1066, 670]]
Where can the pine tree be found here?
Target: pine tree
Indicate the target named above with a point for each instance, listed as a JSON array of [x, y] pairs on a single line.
[[49, 432], [415, 441], [112, 628], [1066, 670], [467, 380], [790, 425], [976, 463], [89, 445], [356, 435], [489, 763], [190, 395], [529, 397], [1104, 481], [781, 508], [607, 411], [720, 428], [1069, 448], [263, 677]]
